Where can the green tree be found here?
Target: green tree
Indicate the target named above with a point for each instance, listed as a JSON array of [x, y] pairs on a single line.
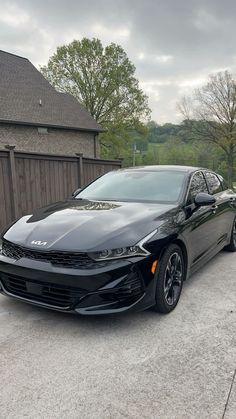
[[177, 144], [210, 115], [103, 80]]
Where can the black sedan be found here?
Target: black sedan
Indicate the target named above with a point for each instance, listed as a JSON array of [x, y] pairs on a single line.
[[125, 242]]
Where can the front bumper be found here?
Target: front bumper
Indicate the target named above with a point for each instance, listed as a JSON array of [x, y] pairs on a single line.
[[111, 287]]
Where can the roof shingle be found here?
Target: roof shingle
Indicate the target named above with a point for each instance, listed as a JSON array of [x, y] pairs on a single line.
[[26, 97]]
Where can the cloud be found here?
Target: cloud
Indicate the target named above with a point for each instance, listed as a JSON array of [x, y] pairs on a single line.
[[13, 16], [173, 44]]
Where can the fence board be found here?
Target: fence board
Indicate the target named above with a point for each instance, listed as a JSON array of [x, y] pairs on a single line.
[[6, 210], [94, 168], [43, 179]]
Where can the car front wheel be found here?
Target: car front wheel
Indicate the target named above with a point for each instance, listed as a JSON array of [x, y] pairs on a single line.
[[170, 274], [232, 245]]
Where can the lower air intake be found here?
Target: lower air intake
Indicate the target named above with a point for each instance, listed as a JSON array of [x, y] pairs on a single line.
[[47, 293]]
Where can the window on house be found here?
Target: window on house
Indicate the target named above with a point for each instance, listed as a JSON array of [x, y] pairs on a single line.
[[42, 130]]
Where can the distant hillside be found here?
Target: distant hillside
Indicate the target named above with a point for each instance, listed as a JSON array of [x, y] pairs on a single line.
[[171, 144]]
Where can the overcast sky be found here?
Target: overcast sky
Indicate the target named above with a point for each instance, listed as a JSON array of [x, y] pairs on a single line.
[[174, 44]]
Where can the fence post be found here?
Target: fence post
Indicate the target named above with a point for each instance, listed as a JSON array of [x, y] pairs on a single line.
[[15, 201], [80, 169]]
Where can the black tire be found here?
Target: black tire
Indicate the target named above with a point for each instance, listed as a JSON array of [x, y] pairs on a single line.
[[232, 245], [170, 274]]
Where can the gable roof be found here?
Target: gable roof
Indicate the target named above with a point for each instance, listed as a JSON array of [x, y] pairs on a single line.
[[26, 97]]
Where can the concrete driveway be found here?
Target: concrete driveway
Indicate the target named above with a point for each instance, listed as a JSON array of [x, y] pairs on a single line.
[[142, 365]]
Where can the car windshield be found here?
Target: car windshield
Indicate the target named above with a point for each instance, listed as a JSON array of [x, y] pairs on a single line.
[[136, 186]]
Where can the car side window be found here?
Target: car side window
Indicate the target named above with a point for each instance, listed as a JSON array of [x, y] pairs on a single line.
[[213, 183], [224, 184], [197, 185]]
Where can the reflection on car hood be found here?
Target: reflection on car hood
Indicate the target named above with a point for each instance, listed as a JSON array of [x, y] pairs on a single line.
[[82, 225]]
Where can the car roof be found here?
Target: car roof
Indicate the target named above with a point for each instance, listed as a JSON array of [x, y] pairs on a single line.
[[156, 168]]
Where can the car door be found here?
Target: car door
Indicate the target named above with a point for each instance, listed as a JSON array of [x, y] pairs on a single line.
[[225, 206], [200, 224]]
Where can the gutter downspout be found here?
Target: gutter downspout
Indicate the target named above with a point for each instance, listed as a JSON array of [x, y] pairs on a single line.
[[95, 145]]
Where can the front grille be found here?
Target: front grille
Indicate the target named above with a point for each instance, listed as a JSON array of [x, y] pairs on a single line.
[[73, 260], [47, 293]]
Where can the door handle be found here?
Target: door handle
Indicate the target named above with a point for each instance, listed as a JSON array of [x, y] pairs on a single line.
[[214, 208]]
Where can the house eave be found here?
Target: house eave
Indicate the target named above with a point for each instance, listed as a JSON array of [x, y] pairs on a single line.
[[36, 124]]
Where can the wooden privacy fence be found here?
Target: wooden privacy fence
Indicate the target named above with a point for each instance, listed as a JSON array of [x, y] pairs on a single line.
[[30, 180]]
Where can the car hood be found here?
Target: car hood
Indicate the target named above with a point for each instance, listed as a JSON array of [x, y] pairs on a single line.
[[82, 225]]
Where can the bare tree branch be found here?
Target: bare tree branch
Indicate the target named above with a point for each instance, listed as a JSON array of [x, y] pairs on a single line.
[[210, 115]]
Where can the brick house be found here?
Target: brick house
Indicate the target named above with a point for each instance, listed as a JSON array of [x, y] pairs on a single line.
[[36, 118]]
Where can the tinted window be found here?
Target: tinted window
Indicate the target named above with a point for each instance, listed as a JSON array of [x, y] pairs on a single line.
[[223, 183], [197, 185], [133, 185], [213, 183]]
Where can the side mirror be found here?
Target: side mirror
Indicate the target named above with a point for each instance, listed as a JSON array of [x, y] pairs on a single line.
[[76, 192], [204, 199]]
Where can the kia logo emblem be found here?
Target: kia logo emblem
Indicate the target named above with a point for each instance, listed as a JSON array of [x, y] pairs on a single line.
[[39, 243]]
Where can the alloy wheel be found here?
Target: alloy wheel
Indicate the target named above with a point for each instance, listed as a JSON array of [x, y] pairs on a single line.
[[234, 233], [174, 277]]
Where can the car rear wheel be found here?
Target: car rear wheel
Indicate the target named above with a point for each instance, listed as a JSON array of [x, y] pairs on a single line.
[[170, 274], [232, 245]]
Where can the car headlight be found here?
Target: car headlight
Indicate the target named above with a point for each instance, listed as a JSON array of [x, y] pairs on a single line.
[[124, 252]]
